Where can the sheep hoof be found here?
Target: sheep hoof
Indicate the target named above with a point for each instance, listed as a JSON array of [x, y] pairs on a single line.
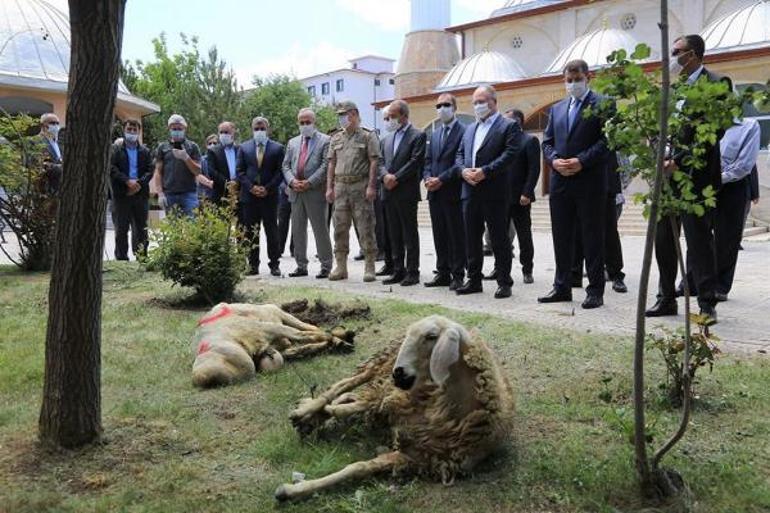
[[281, 494]]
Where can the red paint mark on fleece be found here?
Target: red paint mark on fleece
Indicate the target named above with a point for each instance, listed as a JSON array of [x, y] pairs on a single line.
[[203, 347], [224, 312]]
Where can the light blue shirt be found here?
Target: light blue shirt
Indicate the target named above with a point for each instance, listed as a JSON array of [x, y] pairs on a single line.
[[482, 129], [398, 136], [230, 156], [739, 148], [695, 74], [55, 146], [133, 162]]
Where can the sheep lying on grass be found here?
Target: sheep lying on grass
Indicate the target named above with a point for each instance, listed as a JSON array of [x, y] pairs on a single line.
[[234, 341], [441, 392]]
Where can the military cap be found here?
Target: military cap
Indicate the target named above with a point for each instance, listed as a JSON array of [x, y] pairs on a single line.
[[345, 106]]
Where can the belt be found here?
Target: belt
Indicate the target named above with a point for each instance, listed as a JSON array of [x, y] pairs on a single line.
[[349, 178]]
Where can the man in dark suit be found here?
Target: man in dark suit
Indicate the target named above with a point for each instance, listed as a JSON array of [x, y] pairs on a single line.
[[220, 162], [403, 156], [687, 62], [258, 165], [484, 159], [576, 149], [131, 170], [525, 172], [50, 151], [444, 189]]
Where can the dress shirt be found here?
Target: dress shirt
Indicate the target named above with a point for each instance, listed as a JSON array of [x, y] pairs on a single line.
[[133, 162], [398, 136], [482, 129], [230, 156], [739, 148]]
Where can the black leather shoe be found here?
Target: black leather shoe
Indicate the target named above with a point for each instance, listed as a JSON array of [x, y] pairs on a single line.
[[296, 273], [720, 297], [275, 271], [662, 308], [384, 271], [439, 281], [396, 278], [323, 274], [253, 271], [455, 284], [592, 301], [470, 287], [556, 296], [528, 278], [679, 292], [491, 276], [503, 291], [359, 257], [710, 312], [619, 286], [410, 280]]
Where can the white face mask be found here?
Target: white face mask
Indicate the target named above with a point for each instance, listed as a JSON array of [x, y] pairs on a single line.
[[226, 139], [307, 130], [577, 89], [676, 67], [344, 121], [131, 138], [260, 136], [445, 114], [212, 146], [392, 125], [53, 130], [481, 110]]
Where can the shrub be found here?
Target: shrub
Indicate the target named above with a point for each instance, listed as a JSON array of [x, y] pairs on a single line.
[[201, 252]]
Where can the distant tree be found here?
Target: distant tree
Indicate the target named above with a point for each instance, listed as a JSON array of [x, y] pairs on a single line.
[[70, 415]]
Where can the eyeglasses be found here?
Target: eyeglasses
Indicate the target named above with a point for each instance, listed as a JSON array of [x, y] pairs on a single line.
[[260, 129], [679, 51], [305, 123], [445, 104]]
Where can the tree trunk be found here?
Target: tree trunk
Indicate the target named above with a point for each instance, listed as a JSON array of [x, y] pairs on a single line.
[[71, 412]]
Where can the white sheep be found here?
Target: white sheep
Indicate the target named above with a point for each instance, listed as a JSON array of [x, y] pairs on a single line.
[[441, 392], [234, 341]]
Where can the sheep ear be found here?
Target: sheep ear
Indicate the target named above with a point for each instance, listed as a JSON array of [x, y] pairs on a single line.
[[445, 353]]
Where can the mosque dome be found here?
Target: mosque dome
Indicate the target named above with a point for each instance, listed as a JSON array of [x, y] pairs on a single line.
[[35, 49], [486, 67], [512, 6], [747, 27], [594, 48]]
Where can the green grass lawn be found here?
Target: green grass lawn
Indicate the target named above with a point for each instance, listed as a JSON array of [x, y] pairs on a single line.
[[171, 448]]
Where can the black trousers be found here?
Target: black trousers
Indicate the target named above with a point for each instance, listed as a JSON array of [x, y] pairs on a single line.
[[131, 213], [572, 211], [701, 256], [284, 221], [613, 250], [477, 212], [404, 236], [262, 212], [522, 221], [728, 230], [381, 231], [446, 219]]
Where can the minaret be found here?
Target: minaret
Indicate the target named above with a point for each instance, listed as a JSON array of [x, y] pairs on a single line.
[[429, 51]]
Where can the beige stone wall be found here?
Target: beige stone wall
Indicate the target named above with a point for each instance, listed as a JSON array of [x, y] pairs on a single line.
[[427, 55]]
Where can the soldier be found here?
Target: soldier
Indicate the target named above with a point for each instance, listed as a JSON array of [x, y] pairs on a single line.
[[354, 153]]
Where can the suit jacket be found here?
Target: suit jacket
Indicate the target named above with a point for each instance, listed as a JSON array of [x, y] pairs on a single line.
[[218, 170], [585, 141], [268, 175], [51, 163], [712, 173], [526, 168], [440, 162], [614, 185], [119, 170], [754, 183], [495, 157], [316, 165], [406, 164]]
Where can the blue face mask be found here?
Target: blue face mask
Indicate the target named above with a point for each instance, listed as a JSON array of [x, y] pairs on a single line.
[[176, 135]]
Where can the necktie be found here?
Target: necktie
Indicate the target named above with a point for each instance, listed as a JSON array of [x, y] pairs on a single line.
[[444, 135], [302, 159], [574, 108], [260, 154]]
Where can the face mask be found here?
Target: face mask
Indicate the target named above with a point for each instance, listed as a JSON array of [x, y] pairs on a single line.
[[260, 136], [307, 130], [577, 89], [676, 67], [392, 125], [344, 121], [212, 146], [481, 110], [176, 135], [226, 139], [131, 138], [445, 114], [53, 130]]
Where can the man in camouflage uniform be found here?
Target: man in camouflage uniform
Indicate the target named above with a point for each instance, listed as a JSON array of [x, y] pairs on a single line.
[[354, 154]]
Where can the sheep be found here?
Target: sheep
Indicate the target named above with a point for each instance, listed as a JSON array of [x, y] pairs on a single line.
[[234, 341], [442, 394]]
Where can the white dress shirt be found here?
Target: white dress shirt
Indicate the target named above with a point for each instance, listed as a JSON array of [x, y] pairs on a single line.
[[398, 136], [482, 129]]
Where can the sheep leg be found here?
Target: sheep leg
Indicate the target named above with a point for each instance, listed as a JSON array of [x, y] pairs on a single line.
[[310, 412], [346, 409], [289, 320], [307, 349], [354, 471]]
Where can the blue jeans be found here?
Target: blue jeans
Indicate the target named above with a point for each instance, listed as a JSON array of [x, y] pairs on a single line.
[[186, 202]]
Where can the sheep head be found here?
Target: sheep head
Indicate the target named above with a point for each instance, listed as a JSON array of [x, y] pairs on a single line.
[[432, 345]]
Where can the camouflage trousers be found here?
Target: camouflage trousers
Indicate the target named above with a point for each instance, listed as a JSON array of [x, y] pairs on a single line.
[[351, 206]]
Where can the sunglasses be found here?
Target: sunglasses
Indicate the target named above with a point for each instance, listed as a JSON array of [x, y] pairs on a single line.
[[305, 123], [260, 129], [445, 104], [679, 51]]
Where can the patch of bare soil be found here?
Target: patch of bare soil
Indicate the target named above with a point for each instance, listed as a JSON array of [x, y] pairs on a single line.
[[323, 314]]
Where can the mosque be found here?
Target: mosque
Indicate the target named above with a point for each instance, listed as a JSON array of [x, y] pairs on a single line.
[[521, 49]]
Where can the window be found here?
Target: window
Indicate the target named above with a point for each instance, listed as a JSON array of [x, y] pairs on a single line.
[[517, 42], [340, 85], [325, 88], [311, 90], [376, 82], [391, 81]]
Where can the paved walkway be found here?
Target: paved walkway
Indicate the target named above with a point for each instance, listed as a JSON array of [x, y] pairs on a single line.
[[744, 321]]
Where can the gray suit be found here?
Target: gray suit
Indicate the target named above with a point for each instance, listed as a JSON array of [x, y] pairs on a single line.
[[310, 204]]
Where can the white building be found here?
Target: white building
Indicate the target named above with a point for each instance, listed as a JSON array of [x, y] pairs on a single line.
[[368, 79]]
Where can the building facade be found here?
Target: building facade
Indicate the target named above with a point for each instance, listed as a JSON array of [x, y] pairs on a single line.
[[368, 80]]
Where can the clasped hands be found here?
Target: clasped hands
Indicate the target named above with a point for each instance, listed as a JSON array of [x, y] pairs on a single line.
[[390, 181], [473, 175], [300, 185], [567, 167], [433, 184], [133, 187], [258, 191]]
